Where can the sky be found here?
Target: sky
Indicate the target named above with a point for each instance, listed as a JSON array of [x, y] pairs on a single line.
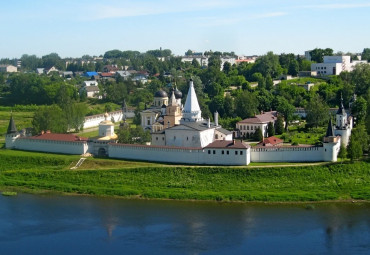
[[73, 28]]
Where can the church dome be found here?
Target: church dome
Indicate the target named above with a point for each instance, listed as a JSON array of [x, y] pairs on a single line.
[[178, 93], [160, 93]]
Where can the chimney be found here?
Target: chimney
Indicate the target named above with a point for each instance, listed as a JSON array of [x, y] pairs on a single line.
[[168, 124], [234, 141], [48, 132], [209, 123], [42, 132], [216, 118]]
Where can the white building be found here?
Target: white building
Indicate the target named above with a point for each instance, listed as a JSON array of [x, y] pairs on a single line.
[[334, 65], [247, 127], [8, 69]]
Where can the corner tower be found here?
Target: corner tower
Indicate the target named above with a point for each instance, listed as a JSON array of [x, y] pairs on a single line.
[[11, 135]]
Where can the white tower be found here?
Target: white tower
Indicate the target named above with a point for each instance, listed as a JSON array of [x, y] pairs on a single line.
[[341, 116], [191, 111], [343, 124], [11, 135], [106, 127]]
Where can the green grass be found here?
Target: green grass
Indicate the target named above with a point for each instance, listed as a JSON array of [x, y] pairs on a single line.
[[20, 171]]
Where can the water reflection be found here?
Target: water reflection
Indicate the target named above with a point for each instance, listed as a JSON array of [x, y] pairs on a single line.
[[85, 225]]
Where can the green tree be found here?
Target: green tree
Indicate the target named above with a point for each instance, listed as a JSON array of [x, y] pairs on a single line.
[[358, 142], [342, 152], [317, 111], [246, 104], [257, 135], [366, 54], [268, 64], [269, 82], [49, 118], [270, 129], [286, 109], [318, 54], [279, 125], [358, 109]]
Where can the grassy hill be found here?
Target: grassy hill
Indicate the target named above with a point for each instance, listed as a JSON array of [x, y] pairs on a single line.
[[40, 172]]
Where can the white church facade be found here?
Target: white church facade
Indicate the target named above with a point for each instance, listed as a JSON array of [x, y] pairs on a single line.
[[192, 141]]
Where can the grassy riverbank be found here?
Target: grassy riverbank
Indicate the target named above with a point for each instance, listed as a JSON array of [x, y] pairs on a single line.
[[35, 172]]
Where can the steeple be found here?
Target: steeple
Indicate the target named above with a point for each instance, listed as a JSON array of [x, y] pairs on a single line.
[[341, 107], [330, 130], [173, 99], [12, 128], [191, 110]]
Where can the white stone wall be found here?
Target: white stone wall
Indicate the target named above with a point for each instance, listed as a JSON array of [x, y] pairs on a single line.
[[290, 154], [94, 120], [77, 148], [189, 138], [179, 155]]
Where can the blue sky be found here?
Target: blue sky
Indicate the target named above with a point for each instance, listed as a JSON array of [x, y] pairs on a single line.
[[73, 28]]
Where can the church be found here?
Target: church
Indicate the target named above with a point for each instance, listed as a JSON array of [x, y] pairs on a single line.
[[180, 135]]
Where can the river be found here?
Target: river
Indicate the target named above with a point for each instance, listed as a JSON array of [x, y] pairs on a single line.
[[35, 224]]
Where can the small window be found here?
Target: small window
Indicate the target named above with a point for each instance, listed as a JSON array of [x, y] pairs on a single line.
[[214, 152], [227, 152], [209, 151], [236, 152], [251, 127], [162, 138], [174, 138], [247, 127], [156, 138], [241, 152], [187, 138], [222, 152]]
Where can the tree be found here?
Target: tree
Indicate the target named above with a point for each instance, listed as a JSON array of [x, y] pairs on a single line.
[[293, 68], [279, 126], [358, 142], [257, 135], [317, 111], [342, 152], [269, 82], [358, 109], [129, 135], [361, 78], [286, 109], [49, 118], [246, 104], [366, 54], [318, 54], [268, 64], [270, 129]]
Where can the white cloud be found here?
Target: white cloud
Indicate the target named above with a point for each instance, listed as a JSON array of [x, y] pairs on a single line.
[[124, 9], [338, 6], [267, 15]]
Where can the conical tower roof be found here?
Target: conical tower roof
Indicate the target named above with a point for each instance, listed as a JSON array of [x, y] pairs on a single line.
[[12, 128], [192, 110], [330, 130], [341, 109]]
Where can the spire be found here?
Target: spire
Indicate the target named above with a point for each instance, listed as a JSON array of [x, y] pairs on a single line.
[[173, 99], [11, 128], [329, 130], [192, 110], [341, 107]]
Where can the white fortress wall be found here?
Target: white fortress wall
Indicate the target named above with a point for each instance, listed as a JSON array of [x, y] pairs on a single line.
[[292, 154], [94, 120], [179, 155], [63, 147]]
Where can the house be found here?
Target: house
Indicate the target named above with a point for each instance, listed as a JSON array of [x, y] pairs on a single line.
[[124, 74], [40, 70], [8, 69], [247, 127], [107, 76], [51, 69], [91, 75], [271, 141], [91, 89], [110, 68]]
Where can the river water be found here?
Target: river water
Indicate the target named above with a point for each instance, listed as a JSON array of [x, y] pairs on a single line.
[[31, 224]]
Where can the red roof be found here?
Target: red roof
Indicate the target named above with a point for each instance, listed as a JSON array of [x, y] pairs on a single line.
[[106, 74], [272, 141], [236, 144], [58, 137], [261, 118]]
